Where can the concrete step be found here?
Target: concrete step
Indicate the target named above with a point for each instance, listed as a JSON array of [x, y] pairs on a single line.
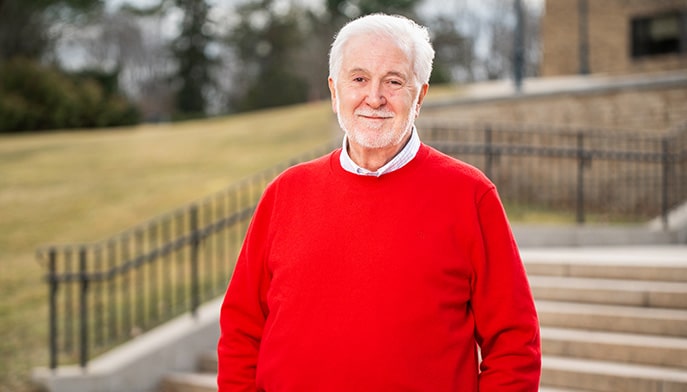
[[620, 347], [602, 376], [196, 382], [189, 382], [660, 263], [558, 375], [628, 319], [640, 293]]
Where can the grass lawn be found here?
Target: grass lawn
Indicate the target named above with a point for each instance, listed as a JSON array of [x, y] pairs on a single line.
[[83, 186]]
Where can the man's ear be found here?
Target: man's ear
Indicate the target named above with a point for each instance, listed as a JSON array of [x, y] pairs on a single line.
[[421, 96], [332, 91]]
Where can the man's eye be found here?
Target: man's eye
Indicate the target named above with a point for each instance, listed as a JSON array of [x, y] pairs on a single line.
[[359, 79]]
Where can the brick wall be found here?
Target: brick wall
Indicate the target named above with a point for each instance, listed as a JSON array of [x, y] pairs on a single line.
[[560, 38], [609, 37]]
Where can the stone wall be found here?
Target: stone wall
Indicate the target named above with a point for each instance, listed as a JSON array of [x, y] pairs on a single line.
[[646, 104], [609, 32]]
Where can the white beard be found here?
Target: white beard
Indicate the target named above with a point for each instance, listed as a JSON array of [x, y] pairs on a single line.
[[377, 138]]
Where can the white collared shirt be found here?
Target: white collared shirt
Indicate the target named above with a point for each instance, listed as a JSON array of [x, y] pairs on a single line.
[[401, 159]]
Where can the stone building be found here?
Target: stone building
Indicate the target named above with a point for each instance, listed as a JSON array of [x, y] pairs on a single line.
[[613, 36]]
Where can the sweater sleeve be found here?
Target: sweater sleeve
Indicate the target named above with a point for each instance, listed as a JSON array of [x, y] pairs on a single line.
[[244, 310], [507, 327]]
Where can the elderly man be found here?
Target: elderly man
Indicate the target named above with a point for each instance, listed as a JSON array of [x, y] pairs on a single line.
[[384, 265]]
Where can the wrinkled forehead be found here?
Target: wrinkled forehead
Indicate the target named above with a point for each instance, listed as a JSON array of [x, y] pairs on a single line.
[[378, 38], [376, 48]]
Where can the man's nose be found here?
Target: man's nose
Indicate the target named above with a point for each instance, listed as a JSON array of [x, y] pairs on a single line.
[[376, 96]]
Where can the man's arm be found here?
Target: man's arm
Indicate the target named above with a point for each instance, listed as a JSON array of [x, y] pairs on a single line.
[[244, 311], [507, 327]]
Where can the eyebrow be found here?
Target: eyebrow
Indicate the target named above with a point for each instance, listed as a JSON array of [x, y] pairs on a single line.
[[389, 73]]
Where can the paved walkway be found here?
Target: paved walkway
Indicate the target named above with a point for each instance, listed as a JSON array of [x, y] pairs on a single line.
[[505, 88], [663, 255]]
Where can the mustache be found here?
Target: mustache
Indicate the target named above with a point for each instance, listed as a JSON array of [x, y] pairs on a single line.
[[374, 113]]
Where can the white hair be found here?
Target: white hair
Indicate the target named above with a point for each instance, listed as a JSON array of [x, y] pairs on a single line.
[[410, 37]]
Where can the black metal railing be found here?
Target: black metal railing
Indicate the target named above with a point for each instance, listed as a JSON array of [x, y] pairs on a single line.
[[105, 293], [611, 176], [102, 294]]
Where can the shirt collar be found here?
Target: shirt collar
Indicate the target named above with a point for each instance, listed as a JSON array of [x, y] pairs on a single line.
[[407, 153]]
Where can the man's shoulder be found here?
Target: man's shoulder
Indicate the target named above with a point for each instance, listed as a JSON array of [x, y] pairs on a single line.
[[317, 165], [447, 165], [306, 171]]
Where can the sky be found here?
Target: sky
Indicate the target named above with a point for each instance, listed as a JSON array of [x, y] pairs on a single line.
[[430, 5], [222, 8]]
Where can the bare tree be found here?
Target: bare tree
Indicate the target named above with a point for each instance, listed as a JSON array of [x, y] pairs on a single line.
[[147, 67], [26, 26], [500, 25], [455, 54], [132, 44], [474, 40]]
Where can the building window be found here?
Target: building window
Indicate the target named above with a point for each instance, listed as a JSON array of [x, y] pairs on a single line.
[[659, 34]]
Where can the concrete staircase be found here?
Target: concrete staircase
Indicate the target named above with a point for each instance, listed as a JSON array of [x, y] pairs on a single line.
[[612, 320], [204, 380]]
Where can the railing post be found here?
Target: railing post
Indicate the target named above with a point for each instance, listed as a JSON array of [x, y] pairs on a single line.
[[195, 249], [666, 161], [113, 328], [139, 290], [83, 308], [488, 151], [167, 279], [581, 161], [154, 276], [68, 303], [127, 297], [99, 312], [52, 292]]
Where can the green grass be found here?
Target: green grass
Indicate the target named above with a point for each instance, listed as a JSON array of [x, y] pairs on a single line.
[[84, 186], [527, 214], [548, 215]]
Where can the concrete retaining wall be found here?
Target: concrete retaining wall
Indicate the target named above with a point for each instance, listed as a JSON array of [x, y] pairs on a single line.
[[140, 364]]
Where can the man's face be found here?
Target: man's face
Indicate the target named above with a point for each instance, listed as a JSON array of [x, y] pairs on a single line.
[[376, 97]]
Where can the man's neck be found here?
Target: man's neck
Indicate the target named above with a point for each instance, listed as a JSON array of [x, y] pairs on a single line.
[[373, 158]]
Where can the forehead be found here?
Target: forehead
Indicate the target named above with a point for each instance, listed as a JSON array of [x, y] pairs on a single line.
[[375, 53]]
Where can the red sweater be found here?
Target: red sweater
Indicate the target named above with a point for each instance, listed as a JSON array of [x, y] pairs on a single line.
[[351, 283]]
